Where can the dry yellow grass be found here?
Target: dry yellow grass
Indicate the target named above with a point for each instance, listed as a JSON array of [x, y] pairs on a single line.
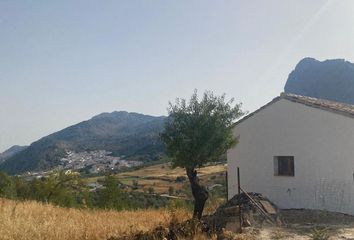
[[162, 176], [33, 220], [163, 170]]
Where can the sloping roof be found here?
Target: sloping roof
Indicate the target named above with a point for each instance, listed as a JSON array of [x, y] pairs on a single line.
[[327, 105], [336, 107]]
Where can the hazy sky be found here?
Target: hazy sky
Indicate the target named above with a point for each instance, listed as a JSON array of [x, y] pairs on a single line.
[[62, 62]]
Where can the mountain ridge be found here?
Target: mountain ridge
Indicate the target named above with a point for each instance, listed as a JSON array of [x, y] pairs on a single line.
[[133, 135], [332, 79], [11, 151]]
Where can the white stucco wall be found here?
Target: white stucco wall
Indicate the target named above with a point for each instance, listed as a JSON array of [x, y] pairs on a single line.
[[322, 144]]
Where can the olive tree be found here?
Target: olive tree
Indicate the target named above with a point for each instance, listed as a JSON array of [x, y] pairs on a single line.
[[198, 132]]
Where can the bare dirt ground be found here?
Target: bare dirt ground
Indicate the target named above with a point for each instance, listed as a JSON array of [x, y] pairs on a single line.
[[308, 224]]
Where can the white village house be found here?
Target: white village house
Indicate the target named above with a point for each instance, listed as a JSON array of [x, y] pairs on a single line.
[[299, 152]]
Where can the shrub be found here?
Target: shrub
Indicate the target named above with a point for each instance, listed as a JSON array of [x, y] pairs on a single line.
[[180, 179], [319, 234], [135, 184], [151, 190], [7, 186], [171, 190]]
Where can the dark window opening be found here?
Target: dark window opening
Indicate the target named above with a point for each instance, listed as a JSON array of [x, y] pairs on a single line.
[[284, 166]]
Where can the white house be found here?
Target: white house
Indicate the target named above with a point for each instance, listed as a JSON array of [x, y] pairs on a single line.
[[299, 152]]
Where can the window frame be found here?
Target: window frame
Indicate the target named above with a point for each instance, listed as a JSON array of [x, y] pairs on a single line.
[[291, 166]]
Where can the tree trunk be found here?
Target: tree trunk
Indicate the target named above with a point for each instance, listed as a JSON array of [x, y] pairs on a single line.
[[199, 192]]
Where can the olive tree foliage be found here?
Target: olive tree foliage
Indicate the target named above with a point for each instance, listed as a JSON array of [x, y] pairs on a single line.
[[63, 188], [198, 132]]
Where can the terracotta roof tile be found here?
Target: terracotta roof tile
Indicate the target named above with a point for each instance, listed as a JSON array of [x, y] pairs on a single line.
[[337, 107], [327, 105]]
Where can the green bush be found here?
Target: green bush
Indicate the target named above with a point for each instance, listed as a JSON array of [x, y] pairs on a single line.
[[151, 190], [180, 179], [7, 186], [111, 196], [171, 190]]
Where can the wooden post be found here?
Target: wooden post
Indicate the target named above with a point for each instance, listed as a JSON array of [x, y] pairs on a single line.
[[227, 187], [239, 196]]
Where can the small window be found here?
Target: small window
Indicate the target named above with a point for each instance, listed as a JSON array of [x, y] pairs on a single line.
[[284, 166]]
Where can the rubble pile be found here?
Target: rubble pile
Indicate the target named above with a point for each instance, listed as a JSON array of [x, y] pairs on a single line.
[[251, 215]]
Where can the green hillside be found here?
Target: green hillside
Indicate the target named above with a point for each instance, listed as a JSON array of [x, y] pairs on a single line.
[[132, 135]]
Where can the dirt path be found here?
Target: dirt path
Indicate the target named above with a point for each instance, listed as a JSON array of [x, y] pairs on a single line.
[[304, 224], [270, 233]]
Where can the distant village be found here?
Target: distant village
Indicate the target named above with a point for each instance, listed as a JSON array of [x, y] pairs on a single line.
[[95, 161], [92, 162]]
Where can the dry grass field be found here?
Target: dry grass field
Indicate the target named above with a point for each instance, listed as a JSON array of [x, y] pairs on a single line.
[[164, 170], [31, 220], [162, 176]]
